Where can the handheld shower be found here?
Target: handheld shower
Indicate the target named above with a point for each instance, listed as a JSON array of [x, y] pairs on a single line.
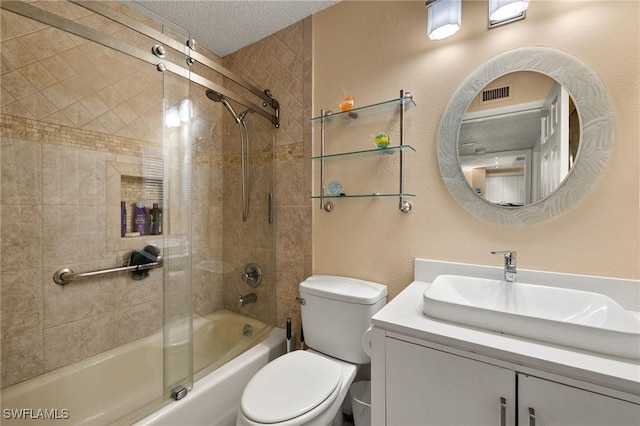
[[244, 145], [217, 97]]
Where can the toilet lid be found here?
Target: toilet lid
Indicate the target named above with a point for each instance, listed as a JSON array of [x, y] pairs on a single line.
[[290, 386]]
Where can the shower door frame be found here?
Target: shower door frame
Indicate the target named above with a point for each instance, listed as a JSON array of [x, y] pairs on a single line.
[[270, 108]]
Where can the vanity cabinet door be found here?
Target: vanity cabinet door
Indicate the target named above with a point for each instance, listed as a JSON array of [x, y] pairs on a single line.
[[427, 387], [554, 404]]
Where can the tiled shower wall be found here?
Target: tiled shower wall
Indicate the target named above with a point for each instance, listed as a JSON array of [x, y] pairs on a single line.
[[282, 63], [71, 109], [74, 114]]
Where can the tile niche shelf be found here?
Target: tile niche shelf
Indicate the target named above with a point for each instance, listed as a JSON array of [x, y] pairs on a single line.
[[117, 173], [386, 108]]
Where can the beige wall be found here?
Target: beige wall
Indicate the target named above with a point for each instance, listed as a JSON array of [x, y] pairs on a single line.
[[371, 50]]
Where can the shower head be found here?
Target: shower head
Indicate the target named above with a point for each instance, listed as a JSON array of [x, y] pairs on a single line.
[[244, 144], [214, 96], [218, 97]]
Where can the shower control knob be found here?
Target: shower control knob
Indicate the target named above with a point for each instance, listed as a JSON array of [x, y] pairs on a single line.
[[252, 275]]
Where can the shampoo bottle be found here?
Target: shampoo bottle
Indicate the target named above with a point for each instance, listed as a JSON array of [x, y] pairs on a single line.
[[140, 219], [123, 218], [156, 220]]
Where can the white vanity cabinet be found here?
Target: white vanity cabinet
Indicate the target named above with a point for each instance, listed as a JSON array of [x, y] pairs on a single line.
[[429, 387], [426, 371], [543, 402], [426, 386]]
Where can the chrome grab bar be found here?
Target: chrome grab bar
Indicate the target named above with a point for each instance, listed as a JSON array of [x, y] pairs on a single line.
[[66, 275]]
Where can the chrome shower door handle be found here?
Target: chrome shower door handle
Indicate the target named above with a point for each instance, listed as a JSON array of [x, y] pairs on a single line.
[[271, 206]]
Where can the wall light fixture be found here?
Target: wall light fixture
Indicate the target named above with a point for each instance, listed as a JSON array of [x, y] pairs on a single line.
[[506, 11], [443, 18]]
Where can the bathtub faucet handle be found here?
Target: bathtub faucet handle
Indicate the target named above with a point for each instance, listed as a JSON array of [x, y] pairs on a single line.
[[252, 275]]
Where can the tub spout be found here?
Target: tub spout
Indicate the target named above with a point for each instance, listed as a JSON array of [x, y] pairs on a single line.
[[246, 299]]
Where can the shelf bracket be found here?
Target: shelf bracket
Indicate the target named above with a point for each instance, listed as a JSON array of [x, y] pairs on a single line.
[[405, 206]]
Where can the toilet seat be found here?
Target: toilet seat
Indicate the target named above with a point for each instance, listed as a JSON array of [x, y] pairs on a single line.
[[291, 386]]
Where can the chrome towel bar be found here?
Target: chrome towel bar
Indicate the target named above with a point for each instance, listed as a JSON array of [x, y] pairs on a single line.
[[66, 275]]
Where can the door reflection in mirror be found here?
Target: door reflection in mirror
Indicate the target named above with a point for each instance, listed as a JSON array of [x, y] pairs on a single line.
[[519, 139]]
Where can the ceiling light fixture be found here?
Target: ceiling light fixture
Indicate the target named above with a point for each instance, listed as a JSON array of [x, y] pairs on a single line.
[[443, 18], [506, 11]]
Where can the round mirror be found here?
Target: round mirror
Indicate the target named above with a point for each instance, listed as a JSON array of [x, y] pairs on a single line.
[[518, 139], [525, 136]]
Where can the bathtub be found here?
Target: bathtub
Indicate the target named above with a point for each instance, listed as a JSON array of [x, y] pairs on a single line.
[[121, 385]]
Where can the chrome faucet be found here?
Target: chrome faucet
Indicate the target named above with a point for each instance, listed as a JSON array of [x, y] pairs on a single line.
[[509, 265], [246, 299]]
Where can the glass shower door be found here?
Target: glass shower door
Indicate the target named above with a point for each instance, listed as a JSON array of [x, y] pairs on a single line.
[[178, 324], [84, 129]]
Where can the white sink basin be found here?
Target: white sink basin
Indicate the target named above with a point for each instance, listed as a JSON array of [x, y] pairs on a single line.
[[580, 319]]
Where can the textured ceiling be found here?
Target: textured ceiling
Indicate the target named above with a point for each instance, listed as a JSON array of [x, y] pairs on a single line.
[[502, 134], [224, 26]]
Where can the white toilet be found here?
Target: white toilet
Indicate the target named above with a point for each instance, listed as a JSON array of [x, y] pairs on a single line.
[[309, 387]]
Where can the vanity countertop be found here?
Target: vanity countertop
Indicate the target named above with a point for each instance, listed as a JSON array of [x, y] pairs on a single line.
[[404, 316]]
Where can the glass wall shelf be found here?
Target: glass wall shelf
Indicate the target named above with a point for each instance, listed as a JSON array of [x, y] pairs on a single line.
[[385, 107], [374, 195], [375, 151], [327, 118]]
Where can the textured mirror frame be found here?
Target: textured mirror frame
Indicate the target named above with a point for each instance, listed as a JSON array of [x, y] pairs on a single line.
[[597, 130]]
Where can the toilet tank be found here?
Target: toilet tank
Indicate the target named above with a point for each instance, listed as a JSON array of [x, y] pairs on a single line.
[[336, 313]]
